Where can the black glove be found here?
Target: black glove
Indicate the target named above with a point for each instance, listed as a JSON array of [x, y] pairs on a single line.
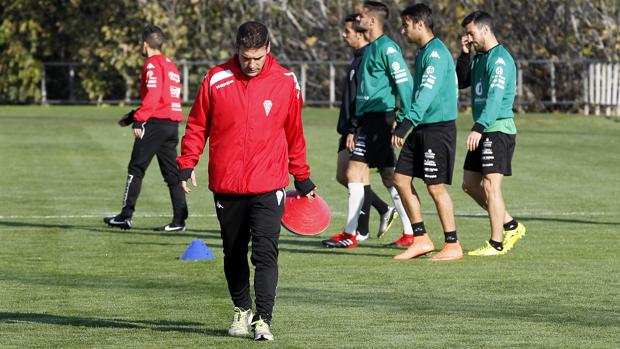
[[478, 128], [185, 174], [127, 119], [138, 124], [304, 187], [402, 128]]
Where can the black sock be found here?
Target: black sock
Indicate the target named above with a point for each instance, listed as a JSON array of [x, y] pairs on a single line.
[[511, 225], [418, 229], [450, 237], [497, 245], [378, 204], [362, 221]]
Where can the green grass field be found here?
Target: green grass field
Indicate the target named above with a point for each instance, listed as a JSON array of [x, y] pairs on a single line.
[[67, 281]]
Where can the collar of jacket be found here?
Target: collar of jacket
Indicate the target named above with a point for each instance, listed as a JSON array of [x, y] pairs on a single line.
[[236, 68], [360, 51]]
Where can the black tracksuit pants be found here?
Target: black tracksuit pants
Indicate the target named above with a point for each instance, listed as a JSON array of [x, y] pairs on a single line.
[[159, 138], [256, 218]]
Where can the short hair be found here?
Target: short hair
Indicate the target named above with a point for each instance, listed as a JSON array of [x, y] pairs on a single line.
[[252, 35], [479, 18], [419, 12], [352, 18], [378, 8], [153, 36]]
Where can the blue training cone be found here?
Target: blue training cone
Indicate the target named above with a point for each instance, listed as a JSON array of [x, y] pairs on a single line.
[[197, 249]]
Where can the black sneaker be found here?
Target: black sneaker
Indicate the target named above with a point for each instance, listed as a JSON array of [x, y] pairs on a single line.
[[172, 227], [118, 222]]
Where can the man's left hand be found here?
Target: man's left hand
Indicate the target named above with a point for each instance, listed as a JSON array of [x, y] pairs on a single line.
[[473, 140], [397, 142], [138, 126], [305, 188], [350, 142]]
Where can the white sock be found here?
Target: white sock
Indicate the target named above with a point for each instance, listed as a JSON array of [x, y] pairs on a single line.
[[398, 203], [356, 198]]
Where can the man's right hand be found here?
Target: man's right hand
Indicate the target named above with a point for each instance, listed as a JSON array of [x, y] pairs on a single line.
[[186, 187], [126, 119], [465, 43]]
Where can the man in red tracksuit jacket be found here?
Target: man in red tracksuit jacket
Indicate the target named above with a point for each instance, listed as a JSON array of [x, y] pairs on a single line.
[[250, 110], [156, 128]]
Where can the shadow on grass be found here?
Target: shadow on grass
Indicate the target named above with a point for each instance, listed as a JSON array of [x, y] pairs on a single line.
[[557, 314], [197, 233], [78, 321], [545, 219]]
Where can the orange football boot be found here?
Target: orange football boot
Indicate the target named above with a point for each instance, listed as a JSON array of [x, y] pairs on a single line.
[[449, 252]]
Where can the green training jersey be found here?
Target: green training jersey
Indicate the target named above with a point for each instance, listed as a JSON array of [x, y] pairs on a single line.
[[493, 81], [435, 88], [383, 74]]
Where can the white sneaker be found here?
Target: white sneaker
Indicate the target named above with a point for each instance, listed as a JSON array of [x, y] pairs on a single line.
[[241, 323], [262, 331], [361, 237]]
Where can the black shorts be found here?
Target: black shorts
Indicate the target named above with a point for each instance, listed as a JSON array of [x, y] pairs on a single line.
[[493, 155], [374, 140], [342, 143], [428, 153]]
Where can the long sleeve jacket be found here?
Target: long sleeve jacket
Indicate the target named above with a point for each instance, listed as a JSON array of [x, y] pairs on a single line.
[[160, 89], [253, 126]]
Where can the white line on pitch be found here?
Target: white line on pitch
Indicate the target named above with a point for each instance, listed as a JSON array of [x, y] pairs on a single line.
[[524, 213]]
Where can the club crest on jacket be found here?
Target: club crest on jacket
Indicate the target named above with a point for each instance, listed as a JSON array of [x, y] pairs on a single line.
[[267, 106]]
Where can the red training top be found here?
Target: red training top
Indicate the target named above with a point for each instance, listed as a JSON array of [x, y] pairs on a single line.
[[160, 90], [255, 129]]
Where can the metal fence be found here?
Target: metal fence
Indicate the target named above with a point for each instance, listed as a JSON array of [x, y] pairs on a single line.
[[542, 85]]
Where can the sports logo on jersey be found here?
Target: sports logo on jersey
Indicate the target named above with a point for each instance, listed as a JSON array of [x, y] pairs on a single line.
[[479, 88], [175, 106], [151, 79], [390, 50], [174, 77], [430, 69], [400, 74], [150, 66], [499, 71], [500, 60], [267, 105], [435, 54], [175, 92]]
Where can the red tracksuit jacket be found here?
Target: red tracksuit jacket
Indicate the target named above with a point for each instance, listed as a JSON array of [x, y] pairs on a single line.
[[160, 89], [254, 129]]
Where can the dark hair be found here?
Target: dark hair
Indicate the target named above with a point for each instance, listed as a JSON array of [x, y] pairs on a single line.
[[153, 36], [419, 12], [379, 8], [352, 18], [479, 18], [251, 35]]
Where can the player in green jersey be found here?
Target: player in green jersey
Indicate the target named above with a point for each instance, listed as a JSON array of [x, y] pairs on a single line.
[[491, 142], [383, 75], [429, 150]]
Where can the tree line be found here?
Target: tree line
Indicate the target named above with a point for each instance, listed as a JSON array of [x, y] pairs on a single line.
[[104, 36]]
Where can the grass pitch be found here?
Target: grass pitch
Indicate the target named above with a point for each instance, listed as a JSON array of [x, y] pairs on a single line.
[[67, 281]]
